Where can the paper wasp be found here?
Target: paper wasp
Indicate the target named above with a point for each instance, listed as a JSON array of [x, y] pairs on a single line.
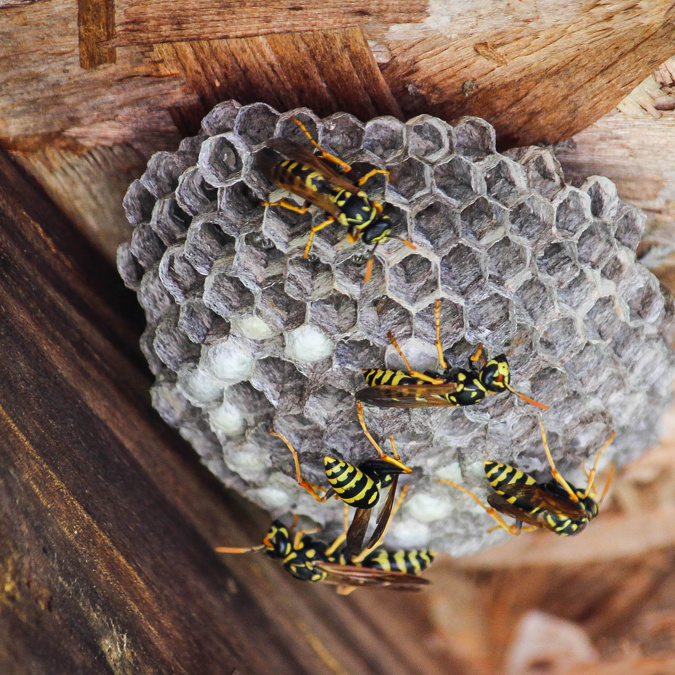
[[310, 560], [556, 505], [358, 486], [312, 177], [447, 387]]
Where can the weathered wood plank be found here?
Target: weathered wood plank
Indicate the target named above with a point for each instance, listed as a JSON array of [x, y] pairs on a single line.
[[96, 23], [152, 21]]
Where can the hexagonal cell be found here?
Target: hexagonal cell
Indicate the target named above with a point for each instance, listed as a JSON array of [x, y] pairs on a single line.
[[505, 180], [385, 137], [562, 339], [595, 244], [171, 405], [604, 318], [544, 172], [251, 403], [334, 315], [225, 294], [200, 324], [307, 279], [152, 296], [169, 221], [193, 194], [630, 225], [342, 133], [413, 281], [460, 180], [288, 128], [257, 259], [604, 198], [206, 242], [278, 380], [533, 220], [145, 245], [138, 203], [330, 408], [230, 361], [220, 159], [349, 276], [580, 293], [428, 138], [437, 224], [462, 271], [559, 261], [483, 221], [176, 273], [381, 316], [490, 320], [642, 292], [620, 266], [148, 350], [573, 213], [358, 354], [128, 267], [451, 321], [241, 206], [189, 147], [278, 311], [548, 385], [285, 227], [409, 179], [221, 118], [255, 123], [172, 345], [537, 299], [161, 175], [475, 138], [506, 261], [592, 366]]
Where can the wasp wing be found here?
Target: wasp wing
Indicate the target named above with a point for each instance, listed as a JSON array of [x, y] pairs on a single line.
[[385, 514], [538, 497], [351, 575], [408, 395], [500, 504], [357, 530], [301, 153]]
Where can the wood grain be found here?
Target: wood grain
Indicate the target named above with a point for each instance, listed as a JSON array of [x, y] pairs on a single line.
[[96, 23], [152, 21]]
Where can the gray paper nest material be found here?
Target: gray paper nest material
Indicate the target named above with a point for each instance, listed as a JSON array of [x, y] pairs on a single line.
[[244, 335]]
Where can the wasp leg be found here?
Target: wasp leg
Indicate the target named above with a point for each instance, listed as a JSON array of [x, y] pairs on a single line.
[[338, 542], [366, 552], [285, 204], [554, 472], [591, 474], [411, 372], [313, 231], [324, 153], [477, 359], [607, 484], [383, 455], [230, 549], [301, 533], [364, 179], [439, 345], [310, 487], [511, 529]]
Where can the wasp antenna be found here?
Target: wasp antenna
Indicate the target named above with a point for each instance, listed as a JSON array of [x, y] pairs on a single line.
[[527, 399], [230, 549]]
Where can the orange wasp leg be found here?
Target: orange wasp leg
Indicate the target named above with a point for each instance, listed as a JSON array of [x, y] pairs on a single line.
[[285, 204], [382, 454], [511, 529], [411, 372], [439, 345], [310, 487], [554, 472], [591, 474], [313, 231], [368, 176], [324, 153]]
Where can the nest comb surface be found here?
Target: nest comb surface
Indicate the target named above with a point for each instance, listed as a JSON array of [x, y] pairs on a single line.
[[243, 334]]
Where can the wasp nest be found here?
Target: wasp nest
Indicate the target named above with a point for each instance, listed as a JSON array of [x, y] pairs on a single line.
[[245, 335]]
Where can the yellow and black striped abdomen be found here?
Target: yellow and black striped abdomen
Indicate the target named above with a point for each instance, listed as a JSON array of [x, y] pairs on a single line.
[[503, 477], [351, 484], [393, 378], [413, 561], [300, 179]]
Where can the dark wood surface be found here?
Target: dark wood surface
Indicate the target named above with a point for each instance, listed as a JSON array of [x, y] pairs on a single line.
[[107, 521]]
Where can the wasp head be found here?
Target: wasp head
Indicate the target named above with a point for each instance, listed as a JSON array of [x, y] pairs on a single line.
[[377, 231], [494, 376], [277, 540]]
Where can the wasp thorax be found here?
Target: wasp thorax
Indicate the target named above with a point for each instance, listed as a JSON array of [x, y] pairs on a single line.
[[532, 267]]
